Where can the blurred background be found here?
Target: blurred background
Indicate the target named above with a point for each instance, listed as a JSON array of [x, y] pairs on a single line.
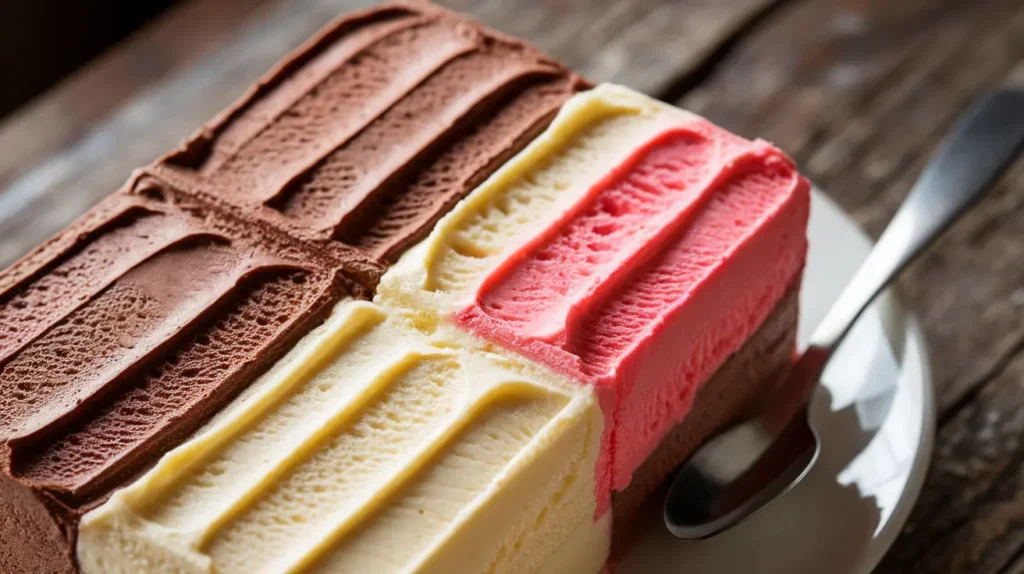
[[42, 41]]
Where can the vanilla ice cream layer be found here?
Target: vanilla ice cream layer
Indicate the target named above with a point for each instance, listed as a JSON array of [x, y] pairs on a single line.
[[371, 448]]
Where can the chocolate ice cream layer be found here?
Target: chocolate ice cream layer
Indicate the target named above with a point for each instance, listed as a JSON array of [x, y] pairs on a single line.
[[376, 127], [125, 333]]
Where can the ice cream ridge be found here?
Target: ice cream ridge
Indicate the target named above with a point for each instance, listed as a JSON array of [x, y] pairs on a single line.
[[422, 300]]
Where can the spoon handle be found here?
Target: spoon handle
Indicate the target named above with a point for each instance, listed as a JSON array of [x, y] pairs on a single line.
[[979, 148]]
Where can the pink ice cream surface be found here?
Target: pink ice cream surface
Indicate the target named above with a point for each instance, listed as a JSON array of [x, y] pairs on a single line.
[[646, 286]]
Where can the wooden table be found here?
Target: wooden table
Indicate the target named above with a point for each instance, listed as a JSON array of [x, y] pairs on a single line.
[[858, 91]]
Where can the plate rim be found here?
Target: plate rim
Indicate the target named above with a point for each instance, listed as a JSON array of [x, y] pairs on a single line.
[[884, 540], [915, 361]]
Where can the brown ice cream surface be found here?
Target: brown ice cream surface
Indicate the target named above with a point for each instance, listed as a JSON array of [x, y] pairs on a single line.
[[126, 332], [376, 127]]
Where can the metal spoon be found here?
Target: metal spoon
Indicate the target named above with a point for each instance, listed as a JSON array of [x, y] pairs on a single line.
[[752, 464]]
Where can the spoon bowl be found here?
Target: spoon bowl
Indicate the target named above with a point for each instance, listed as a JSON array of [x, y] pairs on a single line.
[[715, 491], [751, 464]]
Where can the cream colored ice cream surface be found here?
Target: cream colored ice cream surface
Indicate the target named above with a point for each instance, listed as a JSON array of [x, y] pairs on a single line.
[[593, 132], [372, 447]]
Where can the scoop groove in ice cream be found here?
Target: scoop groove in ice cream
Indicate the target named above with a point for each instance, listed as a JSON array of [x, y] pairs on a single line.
[[377, 126], [370, 447]]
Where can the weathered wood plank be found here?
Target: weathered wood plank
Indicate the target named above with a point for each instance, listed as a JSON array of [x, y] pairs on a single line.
[[643, 43], [64, 114], [1016, 566], [859, 93]]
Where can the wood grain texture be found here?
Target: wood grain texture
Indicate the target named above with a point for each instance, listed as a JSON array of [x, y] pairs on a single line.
[[858, 91], [66, 113]]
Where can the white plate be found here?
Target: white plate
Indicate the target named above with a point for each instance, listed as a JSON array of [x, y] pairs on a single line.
[[846, 514]]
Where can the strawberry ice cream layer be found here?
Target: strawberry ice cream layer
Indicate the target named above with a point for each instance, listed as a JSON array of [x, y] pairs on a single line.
[[652, 280]]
